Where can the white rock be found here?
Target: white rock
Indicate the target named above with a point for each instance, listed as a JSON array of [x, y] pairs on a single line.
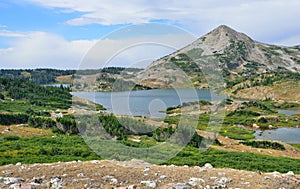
[[113, 181], [147, 169], [223, 180], [80, 175], [18, 164], [290, 173], [208, 166], [56, 183], [22, 167], [95, 161], [150, 184], [11, 180], [107, 177], [163, 177], [197, 179]]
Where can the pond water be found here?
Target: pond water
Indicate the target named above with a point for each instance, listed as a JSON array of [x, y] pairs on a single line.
[[58, 85], [288, 112], [146, 102], [288, 135]]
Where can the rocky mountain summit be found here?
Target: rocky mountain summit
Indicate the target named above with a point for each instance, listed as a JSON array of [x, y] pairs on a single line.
[[136, 174], [232, 53]]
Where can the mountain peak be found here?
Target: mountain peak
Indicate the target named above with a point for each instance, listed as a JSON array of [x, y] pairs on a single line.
[[218, 39], [226, 33], [224, 28]]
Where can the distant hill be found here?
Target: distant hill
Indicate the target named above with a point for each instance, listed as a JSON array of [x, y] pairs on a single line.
[[37, 76]]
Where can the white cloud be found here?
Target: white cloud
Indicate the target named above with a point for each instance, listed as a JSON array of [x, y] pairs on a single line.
[[45, 50], [266, 20], [7, 33], [134, 52], [40, 49]]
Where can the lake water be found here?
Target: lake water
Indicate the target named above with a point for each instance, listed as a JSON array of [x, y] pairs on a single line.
[[288, 112], [146, 102], [289, 135]]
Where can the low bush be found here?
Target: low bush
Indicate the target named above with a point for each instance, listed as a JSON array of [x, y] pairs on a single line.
[[264, 144], [10, 119]]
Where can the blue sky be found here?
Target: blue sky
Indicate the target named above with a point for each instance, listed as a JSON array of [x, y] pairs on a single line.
[[58, 34]]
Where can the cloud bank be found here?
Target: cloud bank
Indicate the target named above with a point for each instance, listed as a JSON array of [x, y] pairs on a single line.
[[268, 20]]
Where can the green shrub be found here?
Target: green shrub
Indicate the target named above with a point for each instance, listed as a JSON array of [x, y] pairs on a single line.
[[11, 138], [10, 119], [262, 120], [264, 144], [243, 113], [1, 96]]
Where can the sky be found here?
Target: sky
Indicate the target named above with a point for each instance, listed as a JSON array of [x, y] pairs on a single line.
[[62, 33]]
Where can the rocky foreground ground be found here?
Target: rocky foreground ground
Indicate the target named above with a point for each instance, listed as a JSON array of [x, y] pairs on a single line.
[[137, 174]]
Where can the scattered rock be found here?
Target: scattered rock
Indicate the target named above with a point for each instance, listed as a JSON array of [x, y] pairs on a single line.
[[120, 175], [37, 180], [11, 180], [223, 180], [150, 184], [290, 173], [113, 181], [56, 182], [147, 169], [255, 126], [80, 175], [208, 166], [106, 177], [195, 181], [213, 178]]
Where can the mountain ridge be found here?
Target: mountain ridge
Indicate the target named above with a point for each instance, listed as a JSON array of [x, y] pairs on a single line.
[[234, 53]]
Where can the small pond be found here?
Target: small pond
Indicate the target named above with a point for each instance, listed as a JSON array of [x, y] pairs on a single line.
[[288, 135], [288, 112]]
